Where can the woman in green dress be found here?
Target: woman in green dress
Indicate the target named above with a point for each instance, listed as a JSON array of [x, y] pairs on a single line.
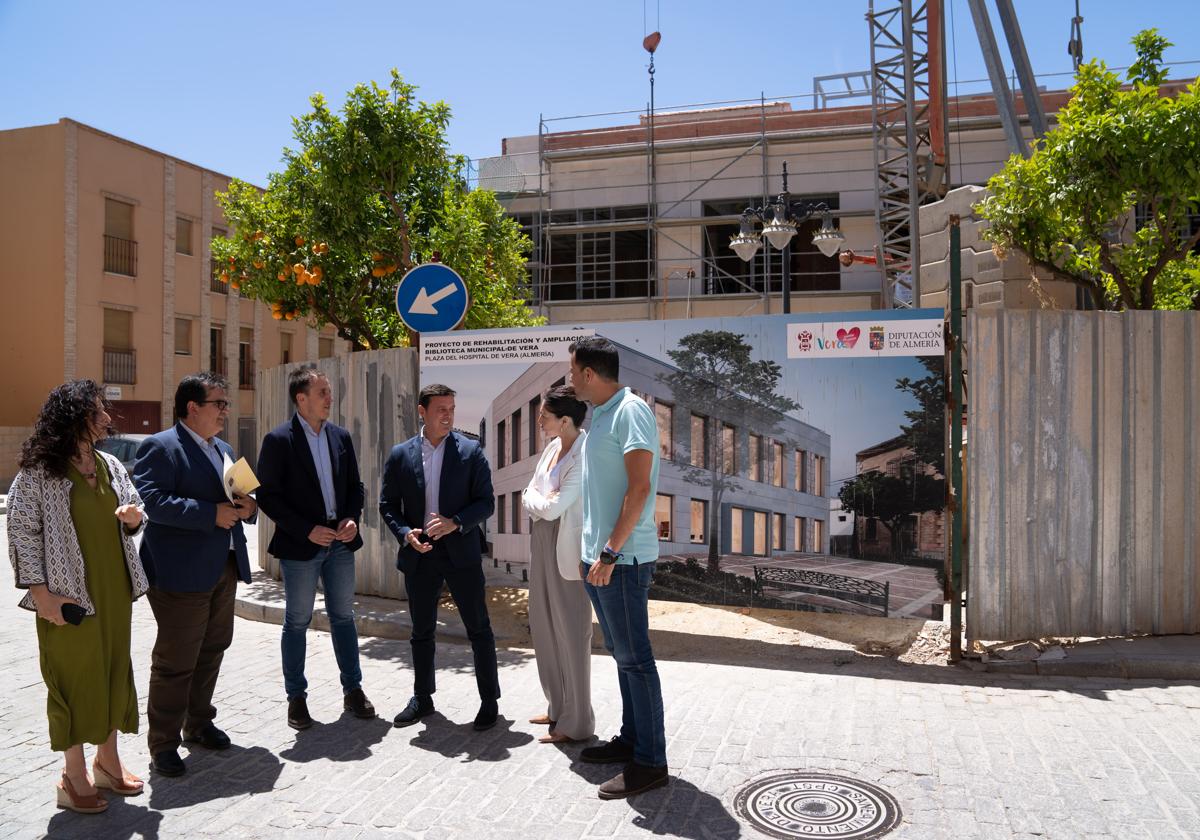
[[72, 513]]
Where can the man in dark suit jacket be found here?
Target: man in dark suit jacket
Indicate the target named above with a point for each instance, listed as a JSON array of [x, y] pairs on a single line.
[[437, 489], [311, 489], [194, 552]]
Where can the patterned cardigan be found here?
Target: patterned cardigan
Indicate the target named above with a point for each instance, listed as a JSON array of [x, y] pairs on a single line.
[[42, 543]]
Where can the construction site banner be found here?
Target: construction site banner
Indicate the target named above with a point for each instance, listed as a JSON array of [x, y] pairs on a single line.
[[866, 339], [800, 456], [475, 347]]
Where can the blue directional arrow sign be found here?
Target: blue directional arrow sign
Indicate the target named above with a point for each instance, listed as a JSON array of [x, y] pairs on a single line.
[[431, 298]]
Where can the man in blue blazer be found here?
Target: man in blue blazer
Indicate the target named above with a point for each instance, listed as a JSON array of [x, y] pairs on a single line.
[[311, 489], [194, 552], [437, 490]]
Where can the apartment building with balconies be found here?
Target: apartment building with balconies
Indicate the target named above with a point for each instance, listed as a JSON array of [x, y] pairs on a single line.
[[107, 275]]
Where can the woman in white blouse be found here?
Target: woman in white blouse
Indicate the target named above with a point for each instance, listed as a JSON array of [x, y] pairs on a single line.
[[560, 615]]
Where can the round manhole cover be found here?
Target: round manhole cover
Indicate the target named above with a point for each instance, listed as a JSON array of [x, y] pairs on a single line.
[[797, 804]]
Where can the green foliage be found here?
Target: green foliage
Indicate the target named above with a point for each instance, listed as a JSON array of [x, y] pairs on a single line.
[[925, 433], [366, 195], [1072, 206]]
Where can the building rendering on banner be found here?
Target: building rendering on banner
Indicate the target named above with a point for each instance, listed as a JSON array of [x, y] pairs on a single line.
[[107, 276], [920, 534], [775, 472]]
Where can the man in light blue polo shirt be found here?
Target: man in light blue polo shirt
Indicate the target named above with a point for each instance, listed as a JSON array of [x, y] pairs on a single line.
[[620, 547]]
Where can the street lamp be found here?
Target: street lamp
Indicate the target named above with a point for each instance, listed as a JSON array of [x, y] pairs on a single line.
[[779, 222]]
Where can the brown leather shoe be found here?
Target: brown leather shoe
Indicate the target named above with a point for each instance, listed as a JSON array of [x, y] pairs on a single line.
[[297, 714], [116, 781], [72, 801], [357, 703], [634, 779]]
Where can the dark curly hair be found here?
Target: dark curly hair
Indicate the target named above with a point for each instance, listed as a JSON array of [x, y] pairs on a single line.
[[61, 424]]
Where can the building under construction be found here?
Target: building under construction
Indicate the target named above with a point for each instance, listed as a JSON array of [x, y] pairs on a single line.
[[631, 214], [617, 238]]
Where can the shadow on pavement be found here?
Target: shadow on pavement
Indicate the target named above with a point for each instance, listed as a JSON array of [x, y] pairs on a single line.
[[713, 647], [344, 739], [453, 655], [123, 820], [217, 775], [460, 740], [754, 653], [679, 810]]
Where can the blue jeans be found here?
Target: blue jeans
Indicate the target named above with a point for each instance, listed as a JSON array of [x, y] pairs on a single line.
[[335, 568], [622, 609]]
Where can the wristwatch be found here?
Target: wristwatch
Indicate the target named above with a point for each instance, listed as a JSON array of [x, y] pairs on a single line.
[[608, 556]]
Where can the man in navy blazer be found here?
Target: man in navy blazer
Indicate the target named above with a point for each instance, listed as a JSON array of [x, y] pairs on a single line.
[[194, 552], [437, 490], [311, 490]]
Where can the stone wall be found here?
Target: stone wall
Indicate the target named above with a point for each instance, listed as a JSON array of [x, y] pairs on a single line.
[[988, 282]]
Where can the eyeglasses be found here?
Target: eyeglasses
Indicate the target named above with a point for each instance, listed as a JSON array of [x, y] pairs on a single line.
[[221, 405]]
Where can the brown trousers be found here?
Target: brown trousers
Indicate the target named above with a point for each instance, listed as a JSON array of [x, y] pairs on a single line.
[[194, 629]]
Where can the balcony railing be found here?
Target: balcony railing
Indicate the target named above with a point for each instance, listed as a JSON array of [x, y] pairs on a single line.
[[120, 256], [246, 373], [214, 281], [120, 366]]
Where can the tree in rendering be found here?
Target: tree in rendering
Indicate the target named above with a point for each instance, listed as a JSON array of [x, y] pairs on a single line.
[[717, 377]]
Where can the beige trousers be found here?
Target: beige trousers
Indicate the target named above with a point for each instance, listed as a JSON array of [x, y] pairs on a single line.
[[560, 621]]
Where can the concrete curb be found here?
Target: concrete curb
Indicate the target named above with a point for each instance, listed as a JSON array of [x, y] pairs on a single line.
[[382, 618], [1128, 669]]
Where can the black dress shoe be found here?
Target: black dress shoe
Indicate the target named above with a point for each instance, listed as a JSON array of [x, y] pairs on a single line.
[[486, 718], [417, 708], [298, 716], [635, 778], [358, 703], [615, 751], [208, 736], [168, 763]]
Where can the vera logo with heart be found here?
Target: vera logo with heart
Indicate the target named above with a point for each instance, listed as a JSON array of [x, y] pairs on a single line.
[[846, 339]]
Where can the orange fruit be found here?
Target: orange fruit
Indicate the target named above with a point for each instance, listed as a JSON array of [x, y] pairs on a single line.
[[224, 277], [232, 261], [299, 241], [378, 271], [391, 268], [235, 285], [282, 276], [375, 255], [318, 272], [297, 268], [258, 263]]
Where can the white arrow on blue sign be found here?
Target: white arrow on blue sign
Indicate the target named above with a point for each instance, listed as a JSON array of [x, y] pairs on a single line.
[[431, 298]]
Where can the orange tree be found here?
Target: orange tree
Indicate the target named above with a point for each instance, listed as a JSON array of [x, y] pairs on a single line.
[[368, 194], [1110, 198]]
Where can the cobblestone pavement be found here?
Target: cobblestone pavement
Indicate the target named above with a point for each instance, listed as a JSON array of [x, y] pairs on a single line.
[[966, 755]]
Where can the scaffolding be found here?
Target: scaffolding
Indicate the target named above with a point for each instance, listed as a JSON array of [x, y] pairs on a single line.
[[907, 109], [587, 178]]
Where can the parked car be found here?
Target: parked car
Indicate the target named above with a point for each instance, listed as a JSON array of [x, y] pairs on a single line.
[[124, 447]]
